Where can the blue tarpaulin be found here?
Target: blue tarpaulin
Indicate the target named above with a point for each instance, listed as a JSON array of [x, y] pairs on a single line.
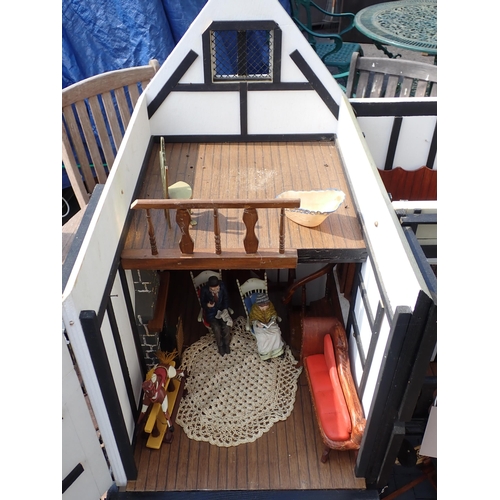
[[99, 36]]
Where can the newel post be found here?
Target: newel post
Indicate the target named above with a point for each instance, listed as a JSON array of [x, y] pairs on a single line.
[[151, 232], [218, 247]]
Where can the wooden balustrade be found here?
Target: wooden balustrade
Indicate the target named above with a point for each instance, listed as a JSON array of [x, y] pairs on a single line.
[[183, 218]]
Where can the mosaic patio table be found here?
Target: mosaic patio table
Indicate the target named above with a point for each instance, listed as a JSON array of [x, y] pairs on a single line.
[[407, 24]]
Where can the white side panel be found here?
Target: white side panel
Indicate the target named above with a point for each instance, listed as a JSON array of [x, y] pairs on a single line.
[[415, 138], [356, 367], [97, 253], [429, 441], [90, 273], [413, 143], [427, 234], [372, 291], [77, 338], [191, 113], [121, 389], [378, 358], [377, 130], [355, 359], [365, 336], [391, 253], [127, 338], [121, 316], [289, 112], [80, 442]]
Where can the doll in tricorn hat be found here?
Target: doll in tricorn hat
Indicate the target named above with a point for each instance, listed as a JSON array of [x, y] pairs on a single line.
[[215, 303]]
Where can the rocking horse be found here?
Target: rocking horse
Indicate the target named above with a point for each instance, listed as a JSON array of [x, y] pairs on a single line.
[[161, 388]]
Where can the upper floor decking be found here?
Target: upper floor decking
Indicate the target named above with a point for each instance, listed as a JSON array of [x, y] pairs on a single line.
[[256, 171]]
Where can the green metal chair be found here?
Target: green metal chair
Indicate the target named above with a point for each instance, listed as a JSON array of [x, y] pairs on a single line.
[[333, 51]]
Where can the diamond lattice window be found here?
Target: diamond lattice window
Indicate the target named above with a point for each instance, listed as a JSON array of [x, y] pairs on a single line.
[[239, 55]]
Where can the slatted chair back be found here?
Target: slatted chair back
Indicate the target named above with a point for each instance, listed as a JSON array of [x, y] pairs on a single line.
[[384, 77], [248, 293], [198, 282], [95, 115]]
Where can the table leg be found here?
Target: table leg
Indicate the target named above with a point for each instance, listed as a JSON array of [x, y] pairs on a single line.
[[385, 51]]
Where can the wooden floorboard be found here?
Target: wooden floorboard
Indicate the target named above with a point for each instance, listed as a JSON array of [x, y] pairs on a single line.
[[287, 457], [236, 171]]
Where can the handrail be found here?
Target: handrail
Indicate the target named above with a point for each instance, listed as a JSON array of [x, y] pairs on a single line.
[[193, 203], [287, 296], [183, 219]]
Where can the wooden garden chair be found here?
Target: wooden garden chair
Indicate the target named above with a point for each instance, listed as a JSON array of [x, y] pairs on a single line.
[[91, 109], [385, 77]]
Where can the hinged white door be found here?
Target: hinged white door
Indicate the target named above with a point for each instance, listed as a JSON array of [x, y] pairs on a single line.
[[85, 473]]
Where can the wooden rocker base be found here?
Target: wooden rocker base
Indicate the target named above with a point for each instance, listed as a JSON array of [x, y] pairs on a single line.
[[156, 425]]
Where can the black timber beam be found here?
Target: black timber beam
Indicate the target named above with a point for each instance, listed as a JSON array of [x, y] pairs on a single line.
[[114, 494], [416, 218], [93, 337], [171, 82], [417, 108], [401, 379], [379, 424], [318, 86], [336, 255], [72, 477], [423, 265]]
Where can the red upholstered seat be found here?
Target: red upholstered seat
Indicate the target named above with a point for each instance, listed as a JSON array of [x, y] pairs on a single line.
[[338, 411], [329, 400]]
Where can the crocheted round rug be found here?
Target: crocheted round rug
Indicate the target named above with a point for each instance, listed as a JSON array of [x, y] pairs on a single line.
[[234, 399]]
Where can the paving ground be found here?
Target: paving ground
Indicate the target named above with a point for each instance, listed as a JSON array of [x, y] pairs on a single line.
[[372, 51]]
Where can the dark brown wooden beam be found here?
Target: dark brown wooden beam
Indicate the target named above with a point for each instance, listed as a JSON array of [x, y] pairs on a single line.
[[190, 204], [234, 259], [155, 325]]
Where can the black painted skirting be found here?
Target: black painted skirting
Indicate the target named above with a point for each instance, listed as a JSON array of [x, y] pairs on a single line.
[[247, 495], [337, 255]]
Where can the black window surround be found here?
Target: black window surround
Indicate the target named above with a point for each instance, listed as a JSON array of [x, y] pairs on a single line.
[[248, 51]]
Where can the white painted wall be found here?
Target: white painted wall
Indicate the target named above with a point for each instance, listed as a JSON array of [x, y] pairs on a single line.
[[391, 258], [90, 273], [293, 112], [383, 232], [414, 139], [127, 338], [365, 334], [192, 113], [99, 245]]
